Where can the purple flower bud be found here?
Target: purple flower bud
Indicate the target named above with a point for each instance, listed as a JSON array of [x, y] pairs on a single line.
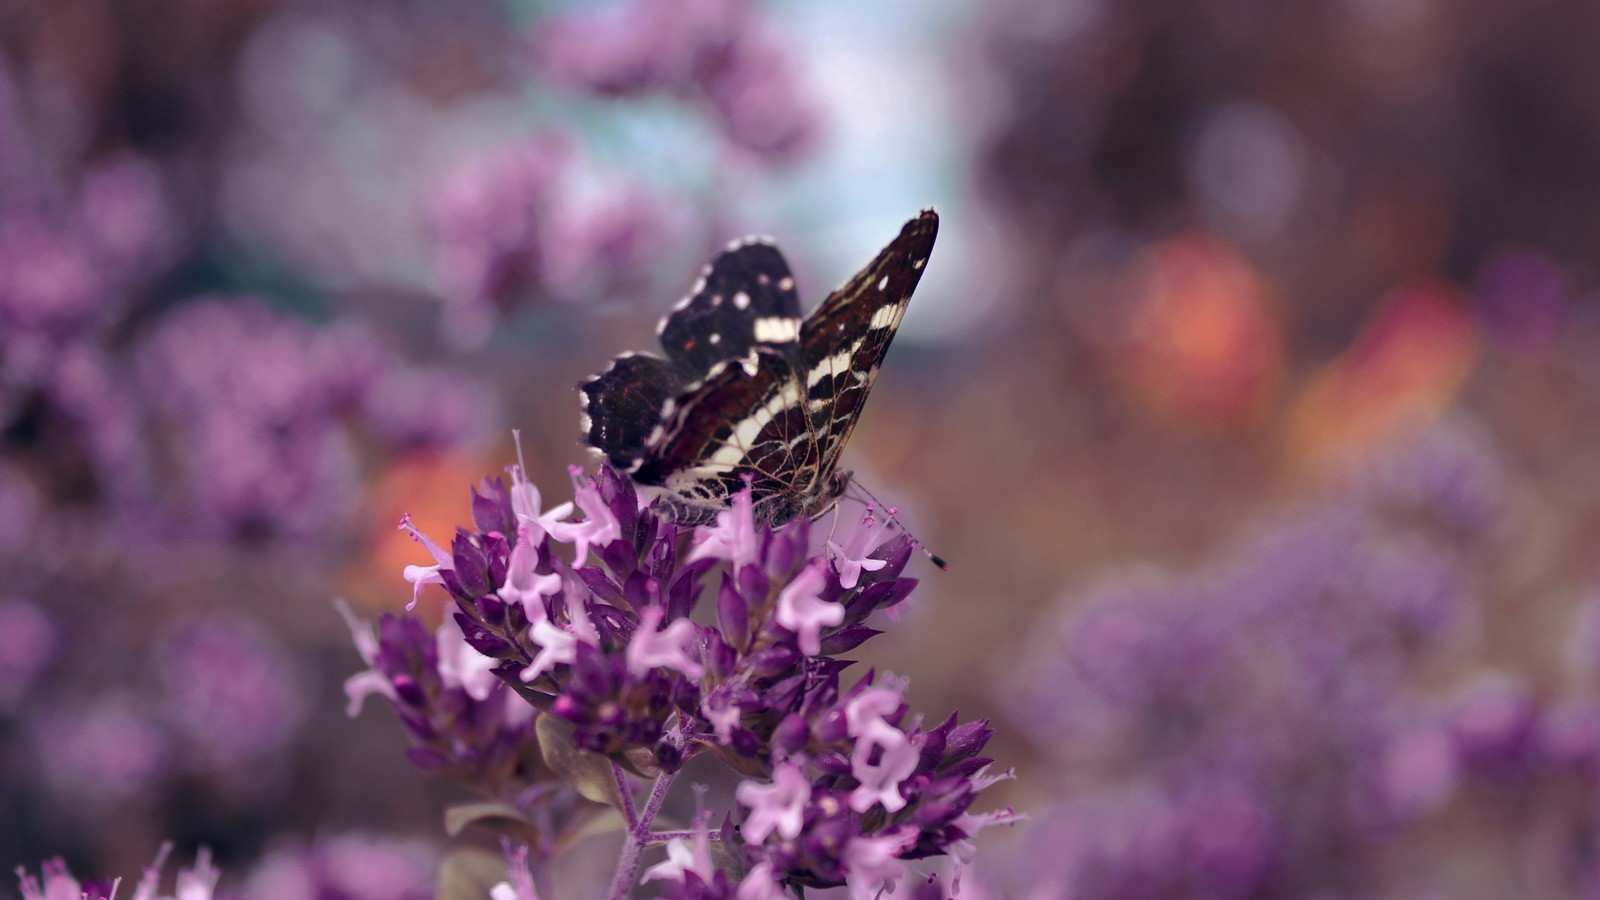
[[792, 735], [491, 507]]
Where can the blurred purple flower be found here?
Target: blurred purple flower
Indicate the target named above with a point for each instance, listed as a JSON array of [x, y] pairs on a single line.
[[195, 883], [1418, 770], [1569, 734], [105, 750], [49, 284], [29, 639], [124, 216], [491, 217], [229, 689], [19, 497], [1448, 472], [512, 222], [715, 52], [1281, 676], [1523, 299], [1492, 722], [255, 405], [347, 867], [519, 879]]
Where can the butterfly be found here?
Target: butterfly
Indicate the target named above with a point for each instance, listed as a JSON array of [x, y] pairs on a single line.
[[748, 390]]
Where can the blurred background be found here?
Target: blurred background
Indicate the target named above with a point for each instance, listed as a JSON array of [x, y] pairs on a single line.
[[1251, 392]]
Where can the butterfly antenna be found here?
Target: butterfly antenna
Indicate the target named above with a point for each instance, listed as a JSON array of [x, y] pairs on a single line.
[[890, 511]]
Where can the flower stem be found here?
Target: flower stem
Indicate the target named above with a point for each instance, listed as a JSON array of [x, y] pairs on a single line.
[[625, 789], [638, 838]]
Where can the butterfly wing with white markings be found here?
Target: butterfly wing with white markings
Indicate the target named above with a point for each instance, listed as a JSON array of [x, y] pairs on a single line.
[[843, 343], [745, 298], [747, 389]]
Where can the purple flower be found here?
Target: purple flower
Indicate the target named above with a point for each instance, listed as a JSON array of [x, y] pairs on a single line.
[[509, 225], [346, 865], [29, 640], [597, 641], [685, 860], [1523, 299], [776, 807], [229, 689], [1419, 770], [490, 215], [197, 883], [1493, 721], [716, 53], [519, 880], [851, 558], [111, 747], [802, 610], [460, 723], [733, 537], [669, 647]]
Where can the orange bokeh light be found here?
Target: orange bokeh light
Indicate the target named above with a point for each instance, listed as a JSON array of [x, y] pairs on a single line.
[[1205, 343], [1406, 365]]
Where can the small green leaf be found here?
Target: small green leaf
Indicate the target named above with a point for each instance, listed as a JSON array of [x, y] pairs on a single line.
[[468, 873], [540, 700], [458, 817], [609, 821], [588, 772]]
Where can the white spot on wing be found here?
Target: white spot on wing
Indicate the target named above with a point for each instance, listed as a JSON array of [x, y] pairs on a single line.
[[776, 329], [885, 317], [883, 282], [786, 283], [918, 263], [714, 340], [839, 362], [741, 300]]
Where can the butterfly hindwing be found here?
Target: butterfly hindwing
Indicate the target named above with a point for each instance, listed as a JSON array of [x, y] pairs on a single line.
[[741, 420], [745, 299], [622, 405]]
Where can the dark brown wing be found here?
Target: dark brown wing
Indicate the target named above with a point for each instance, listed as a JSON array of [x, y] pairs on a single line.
[[744, 419], [843, 343], [744, 301]]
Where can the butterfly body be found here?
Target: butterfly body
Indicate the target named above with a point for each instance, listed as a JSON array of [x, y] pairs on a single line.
[[748, 389]]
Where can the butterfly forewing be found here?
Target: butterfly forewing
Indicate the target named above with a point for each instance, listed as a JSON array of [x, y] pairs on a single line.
[[747, 389], [843, 343], [745, 299]]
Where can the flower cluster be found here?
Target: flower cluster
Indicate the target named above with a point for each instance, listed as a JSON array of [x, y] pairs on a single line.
[[258, 405], [1282, 721], [197, 883], [508, 222], [841, 784]]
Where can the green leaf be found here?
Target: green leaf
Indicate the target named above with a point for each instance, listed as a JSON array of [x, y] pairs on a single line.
[[588, 772], [468, 873], [458, 817], [609, 821], [538, 699]]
